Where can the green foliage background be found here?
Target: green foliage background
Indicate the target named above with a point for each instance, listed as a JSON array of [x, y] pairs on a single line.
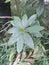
[[29, 7]]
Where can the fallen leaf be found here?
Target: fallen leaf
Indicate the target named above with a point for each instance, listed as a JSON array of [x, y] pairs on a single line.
[[23, 55]]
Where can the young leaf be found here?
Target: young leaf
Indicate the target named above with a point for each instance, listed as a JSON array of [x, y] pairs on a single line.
[[24, 17], [25, 20], [32, 19]]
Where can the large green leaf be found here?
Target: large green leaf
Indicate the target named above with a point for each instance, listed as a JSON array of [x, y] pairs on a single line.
[[35, 28], [13, 39], [20, 43], [19, 46], [28, 40], [13, 30], [16, 22]]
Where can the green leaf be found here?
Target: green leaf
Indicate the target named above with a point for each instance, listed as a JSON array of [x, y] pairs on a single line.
[[16, 22], [29, 2], [20, 43], [40, 9], [38, 34], [23, 63], [32, 19], [19, 46], [7, 1], [24, 17], [28, 40], [13, 39], [25, 20], [35, 28], [12, 30], [11, 56]]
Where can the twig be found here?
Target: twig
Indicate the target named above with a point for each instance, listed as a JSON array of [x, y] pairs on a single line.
[[5, 24], [6, 17], [5, 28], [18, 10]]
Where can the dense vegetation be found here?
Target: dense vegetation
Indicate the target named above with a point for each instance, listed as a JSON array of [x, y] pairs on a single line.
[[24, 40]]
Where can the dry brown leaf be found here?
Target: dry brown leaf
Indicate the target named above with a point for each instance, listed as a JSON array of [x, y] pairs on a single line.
[[23, 55], [29, 54], [18, 57], [33, 56], [10, 63], [35, 49], [29, 60], [17, 60], [28, 63]]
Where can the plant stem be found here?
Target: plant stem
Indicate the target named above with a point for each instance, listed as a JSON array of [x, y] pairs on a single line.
[[18, 10]]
